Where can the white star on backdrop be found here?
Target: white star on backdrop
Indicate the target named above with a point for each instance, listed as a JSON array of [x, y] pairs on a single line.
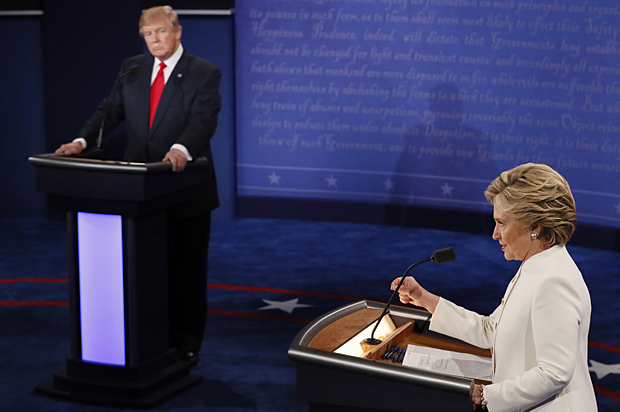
[[287, 306], [603, 370], [274, 179], [389, 185], [446, 189], [331, 181]]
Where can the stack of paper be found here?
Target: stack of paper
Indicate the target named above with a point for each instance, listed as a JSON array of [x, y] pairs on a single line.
[[448, 362]]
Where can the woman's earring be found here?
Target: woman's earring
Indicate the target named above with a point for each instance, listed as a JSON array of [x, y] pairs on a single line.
[[534, 235]]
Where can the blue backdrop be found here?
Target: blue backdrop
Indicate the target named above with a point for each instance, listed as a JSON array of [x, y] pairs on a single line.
[[424, 102]]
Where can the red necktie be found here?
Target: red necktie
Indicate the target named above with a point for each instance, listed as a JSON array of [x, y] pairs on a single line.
[[157, 89]]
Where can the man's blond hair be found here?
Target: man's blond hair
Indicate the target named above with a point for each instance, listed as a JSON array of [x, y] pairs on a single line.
[[159, 13]]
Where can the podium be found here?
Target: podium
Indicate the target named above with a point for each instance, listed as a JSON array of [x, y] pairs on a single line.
[[118, 278], [336, 382]]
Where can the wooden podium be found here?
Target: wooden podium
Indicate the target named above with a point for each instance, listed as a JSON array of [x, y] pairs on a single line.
[[118, 278], [335, 382]]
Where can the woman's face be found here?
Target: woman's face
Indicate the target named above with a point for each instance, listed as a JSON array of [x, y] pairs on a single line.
[[514, 237]]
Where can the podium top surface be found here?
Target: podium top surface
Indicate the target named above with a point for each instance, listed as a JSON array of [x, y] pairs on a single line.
[[87, 164], [114, 187]]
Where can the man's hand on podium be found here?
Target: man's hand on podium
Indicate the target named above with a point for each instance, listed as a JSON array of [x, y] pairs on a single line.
[[70, 148], [177, 158]]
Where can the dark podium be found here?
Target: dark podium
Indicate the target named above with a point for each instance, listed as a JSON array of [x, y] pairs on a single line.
[[118, 284], [336, 382]]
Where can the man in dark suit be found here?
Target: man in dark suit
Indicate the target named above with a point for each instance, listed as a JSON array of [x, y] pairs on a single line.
[[169, 100]]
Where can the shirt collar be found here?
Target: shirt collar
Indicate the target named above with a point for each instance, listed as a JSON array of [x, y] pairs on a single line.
[[173, 60]]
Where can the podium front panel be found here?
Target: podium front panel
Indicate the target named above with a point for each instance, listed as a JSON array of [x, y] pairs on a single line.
[[101, 291]]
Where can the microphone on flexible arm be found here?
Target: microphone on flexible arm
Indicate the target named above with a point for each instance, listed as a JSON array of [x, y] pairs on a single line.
[[439, 256], [135, 69]]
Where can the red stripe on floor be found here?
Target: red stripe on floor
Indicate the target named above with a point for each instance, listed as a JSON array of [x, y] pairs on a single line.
[[603, 346], [34, 280], [34, 303], [606, 392], [258, 315], [290, 292]]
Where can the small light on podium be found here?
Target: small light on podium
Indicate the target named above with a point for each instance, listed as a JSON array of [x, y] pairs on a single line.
[[372, 341]]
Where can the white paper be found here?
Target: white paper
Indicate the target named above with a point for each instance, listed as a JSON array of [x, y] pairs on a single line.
[[448, 362]]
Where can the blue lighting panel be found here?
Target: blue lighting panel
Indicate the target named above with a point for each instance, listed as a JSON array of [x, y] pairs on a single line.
[[100, 253]]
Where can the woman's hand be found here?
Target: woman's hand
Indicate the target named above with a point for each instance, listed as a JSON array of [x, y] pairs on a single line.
[[411, 292], [475, 396], [477, 403]]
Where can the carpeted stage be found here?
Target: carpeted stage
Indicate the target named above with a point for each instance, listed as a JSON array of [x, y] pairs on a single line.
[[267, 279]]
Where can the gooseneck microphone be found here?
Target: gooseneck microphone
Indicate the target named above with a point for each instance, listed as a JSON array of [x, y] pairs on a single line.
[[135, 69], [439, 256]]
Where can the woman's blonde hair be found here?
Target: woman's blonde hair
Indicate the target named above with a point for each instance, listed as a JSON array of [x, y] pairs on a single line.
[[159, 13], [535, 194]]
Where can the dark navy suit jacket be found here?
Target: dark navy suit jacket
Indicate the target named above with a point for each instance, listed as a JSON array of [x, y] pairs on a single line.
[[187, 114]]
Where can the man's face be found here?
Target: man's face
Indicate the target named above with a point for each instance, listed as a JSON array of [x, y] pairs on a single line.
[[161, 39]]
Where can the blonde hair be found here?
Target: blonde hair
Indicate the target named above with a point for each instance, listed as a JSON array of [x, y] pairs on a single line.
[[159, 13], [535, 194]]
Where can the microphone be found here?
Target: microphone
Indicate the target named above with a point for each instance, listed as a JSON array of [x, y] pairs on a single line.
[[439, 256], [135, 69]]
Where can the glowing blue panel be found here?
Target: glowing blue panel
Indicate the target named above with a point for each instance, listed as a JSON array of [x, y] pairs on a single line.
[[100, 254]]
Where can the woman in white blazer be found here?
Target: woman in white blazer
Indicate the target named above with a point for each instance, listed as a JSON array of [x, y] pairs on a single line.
[[538, 335]]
